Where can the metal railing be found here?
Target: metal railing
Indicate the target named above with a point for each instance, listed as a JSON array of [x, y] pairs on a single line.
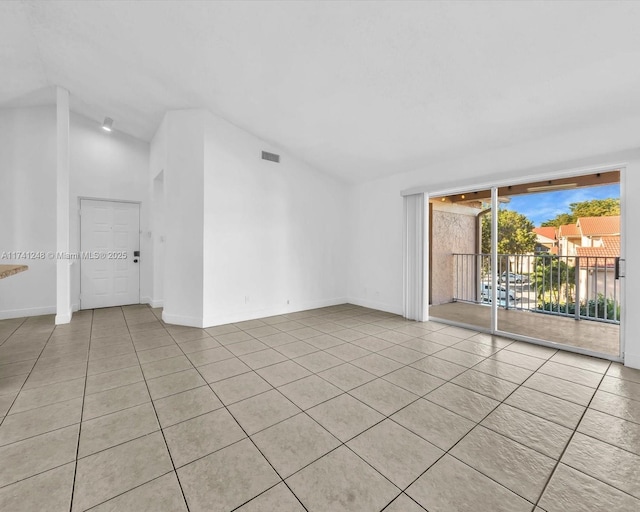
[[582, 287]]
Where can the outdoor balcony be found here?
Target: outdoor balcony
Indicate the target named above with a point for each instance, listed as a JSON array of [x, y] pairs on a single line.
[[572, 301]]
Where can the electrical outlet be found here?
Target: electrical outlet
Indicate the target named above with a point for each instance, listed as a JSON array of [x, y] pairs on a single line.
[[246, 299]]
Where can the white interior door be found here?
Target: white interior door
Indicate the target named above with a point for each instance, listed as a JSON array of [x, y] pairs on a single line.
[[109, 270]]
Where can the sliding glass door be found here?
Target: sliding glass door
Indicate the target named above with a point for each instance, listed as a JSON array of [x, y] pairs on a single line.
[[560, 267], [539, 262]]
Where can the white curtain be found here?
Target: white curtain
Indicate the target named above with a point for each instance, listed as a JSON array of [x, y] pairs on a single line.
[[415, 264]]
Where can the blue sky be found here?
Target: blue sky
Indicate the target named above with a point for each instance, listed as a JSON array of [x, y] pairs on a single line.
[[546, 205]]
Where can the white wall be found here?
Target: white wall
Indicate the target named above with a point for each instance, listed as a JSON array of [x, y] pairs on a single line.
[[274, 233], [28, 208], [157, 229], [375, 269], [178, 150], [375, 245], [113, 166], [157, 165]]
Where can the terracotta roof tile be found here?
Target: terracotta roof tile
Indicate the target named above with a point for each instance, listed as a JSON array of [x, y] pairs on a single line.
[[593, 226], [547, 232], [605, 254], [568, 230]]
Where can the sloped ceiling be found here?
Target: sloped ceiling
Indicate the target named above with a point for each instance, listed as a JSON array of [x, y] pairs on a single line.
[[357, 89]]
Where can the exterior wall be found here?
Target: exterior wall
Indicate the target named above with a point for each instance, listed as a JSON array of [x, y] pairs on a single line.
[[568, 246], [587, 241], [598, 282], [453, 231]]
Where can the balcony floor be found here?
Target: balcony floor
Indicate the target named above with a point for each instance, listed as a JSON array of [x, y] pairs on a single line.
[[586, 334]]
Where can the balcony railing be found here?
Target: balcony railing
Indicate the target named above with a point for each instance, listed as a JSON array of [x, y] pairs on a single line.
[[582, 287]]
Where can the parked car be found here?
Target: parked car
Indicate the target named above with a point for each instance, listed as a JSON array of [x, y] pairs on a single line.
[[513, 278], [486, 301], [485, 291]]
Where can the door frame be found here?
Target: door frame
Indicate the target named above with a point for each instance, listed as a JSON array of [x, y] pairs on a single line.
[[79, 238], [500, 182]]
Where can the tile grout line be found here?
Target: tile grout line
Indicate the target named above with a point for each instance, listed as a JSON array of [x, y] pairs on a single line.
[[568, 442], [84, 392], [384, 416], [575, 430], [375, 377], [367, 405], [92, 507], [31, 437], [343, 443], [243, 430], [135, 406], [157, 419], [14, 331], [608, 444], [447, 452], [450, 380], [28, 375]]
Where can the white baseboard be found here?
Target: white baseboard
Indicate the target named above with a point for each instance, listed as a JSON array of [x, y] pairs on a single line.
[[372, 304], [228, 317], [632, 360], [188, 321], [154, 303], [64, 318], [21, 313]]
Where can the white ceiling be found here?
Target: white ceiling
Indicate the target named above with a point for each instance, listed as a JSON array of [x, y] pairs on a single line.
[[357, 89]]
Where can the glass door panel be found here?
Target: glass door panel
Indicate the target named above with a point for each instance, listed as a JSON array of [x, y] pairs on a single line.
[[560, 280], [459, 271]]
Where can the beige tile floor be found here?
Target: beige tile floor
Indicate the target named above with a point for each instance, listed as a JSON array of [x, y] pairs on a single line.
[[335, 409], [599, 337]]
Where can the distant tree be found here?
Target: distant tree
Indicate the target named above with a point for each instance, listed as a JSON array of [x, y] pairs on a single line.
[[553, 278], [591, 208], [596, 208], [560, 220], [515, 233]]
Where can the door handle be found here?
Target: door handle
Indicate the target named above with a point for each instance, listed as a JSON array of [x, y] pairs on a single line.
[[136, 255]]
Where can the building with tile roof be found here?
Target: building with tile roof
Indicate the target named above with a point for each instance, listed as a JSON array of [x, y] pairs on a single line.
[[569, 237], [546, 239], [589, 233], [607, 247], [598, 226]]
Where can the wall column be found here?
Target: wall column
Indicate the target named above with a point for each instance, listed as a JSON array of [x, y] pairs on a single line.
[[63, 269]]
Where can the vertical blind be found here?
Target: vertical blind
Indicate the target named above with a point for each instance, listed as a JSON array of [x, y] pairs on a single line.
[[415, 264]]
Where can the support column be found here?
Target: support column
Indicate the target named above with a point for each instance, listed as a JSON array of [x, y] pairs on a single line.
[[63, 267]]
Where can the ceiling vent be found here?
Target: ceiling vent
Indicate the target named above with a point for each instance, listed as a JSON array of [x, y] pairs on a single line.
[[272, 157]]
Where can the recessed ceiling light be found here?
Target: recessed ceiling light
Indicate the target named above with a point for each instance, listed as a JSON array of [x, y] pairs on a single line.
[[107, 126]]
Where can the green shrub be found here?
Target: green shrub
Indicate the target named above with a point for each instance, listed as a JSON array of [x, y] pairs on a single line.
[[593, 308]]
